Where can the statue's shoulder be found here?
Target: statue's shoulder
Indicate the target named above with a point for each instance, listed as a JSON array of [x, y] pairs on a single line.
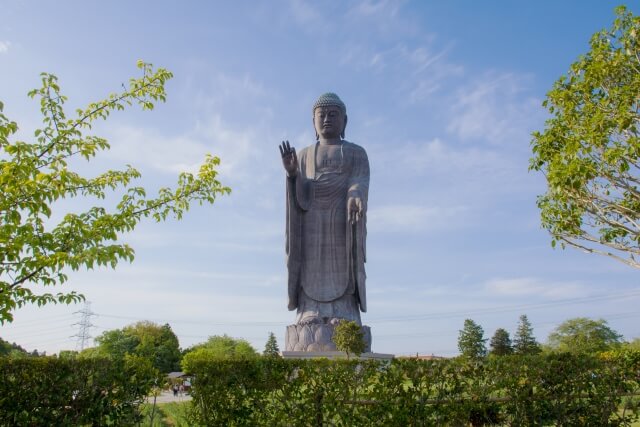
[[350, 146], [303, 152]]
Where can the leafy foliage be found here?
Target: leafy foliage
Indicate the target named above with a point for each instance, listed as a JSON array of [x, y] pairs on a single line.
[[633, 344], [589, 151], [583, 335], [552, 389], [271, 347], [501, 343], [218, 347], [36, 176], [155, 343], [349, 337], [70, 392], [471, 341], [524, 342], [13, 349]]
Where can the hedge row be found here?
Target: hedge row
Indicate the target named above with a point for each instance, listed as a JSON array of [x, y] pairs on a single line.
[[560, 389], [46, 391]]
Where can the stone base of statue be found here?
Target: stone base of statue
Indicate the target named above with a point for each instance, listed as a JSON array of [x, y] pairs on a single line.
[[316, 337], [334, 355]]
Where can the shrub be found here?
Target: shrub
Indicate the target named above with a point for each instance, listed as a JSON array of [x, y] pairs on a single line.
[[71, 392], [556, 389]]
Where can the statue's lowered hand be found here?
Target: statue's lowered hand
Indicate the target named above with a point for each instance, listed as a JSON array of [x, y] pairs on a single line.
[[355, 209]]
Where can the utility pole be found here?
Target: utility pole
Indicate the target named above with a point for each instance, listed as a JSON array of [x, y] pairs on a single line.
[[84, 325]]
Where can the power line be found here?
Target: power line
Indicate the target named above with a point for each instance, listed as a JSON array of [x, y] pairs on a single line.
[[392, 319], [503, 309]]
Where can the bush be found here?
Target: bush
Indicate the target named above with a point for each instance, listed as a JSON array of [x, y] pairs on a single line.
[[556, 389], [72, 392]]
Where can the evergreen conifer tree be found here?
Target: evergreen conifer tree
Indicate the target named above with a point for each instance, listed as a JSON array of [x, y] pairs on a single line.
[[271, 347], [501, 343], [524, 342], [471, 342]]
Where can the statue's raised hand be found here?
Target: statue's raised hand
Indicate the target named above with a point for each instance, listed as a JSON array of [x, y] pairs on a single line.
[[289, 158]]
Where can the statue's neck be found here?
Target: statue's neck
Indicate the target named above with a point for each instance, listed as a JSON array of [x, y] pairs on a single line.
[[330, 141]]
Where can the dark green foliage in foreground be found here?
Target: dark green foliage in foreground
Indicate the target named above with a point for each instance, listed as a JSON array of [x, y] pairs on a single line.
[[48, 391], [171, 414], [553, 389]]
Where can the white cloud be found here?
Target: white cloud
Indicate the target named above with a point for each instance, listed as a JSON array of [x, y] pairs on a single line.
[[437, 157], [304, 13], [4, 46], [414, 218], [495, 109], [461, 172], [386, 8], [225, 89], [171, 154], [530, 286]]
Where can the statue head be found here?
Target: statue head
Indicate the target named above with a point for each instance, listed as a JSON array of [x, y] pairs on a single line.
[[329, 116]]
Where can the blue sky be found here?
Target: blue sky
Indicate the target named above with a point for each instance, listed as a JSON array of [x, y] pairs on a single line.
[[442, 95]]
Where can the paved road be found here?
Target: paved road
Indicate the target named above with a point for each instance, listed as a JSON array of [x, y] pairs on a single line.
[[167, 396]]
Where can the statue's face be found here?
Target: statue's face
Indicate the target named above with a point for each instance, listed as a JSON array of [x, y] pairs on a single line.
[[329, 121]]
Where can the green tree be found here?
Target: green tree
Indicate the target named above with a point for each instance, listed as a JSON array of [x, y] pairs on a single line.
[[500, 343], [218, 347], [524, 342], [633, 344], [147, 340], [589, 150], [13, 349], [583, 335], [67, 354], [115, 344], [158, 344], [35, 176], [271, 347], [349, 337], [471, 341]]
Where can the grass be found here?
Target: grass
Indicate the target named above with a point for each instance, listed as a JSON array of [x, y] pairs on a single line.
[[173, 414]]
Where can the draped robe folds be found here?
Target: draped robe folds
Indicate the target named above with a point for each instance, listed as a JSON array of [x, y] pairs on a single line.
[[325, 252]]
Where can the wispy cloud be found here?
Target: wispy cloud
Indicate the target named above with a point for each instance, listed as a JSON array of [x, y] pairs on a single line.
[[380, 17], [453, 171], [304, 13], [531, 286], [151, 148], [387, 8], [414, 218], [4, 46], [495, 109], [215, 129], [437, 157]]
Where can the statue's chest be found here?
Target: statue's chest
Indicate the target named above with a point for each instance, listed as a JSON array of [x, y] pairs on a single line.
[[329, 158]]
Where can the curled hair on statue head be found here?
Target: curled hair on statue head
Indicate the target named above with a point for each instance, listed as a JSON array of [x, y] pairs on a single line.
[[330, 99]]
